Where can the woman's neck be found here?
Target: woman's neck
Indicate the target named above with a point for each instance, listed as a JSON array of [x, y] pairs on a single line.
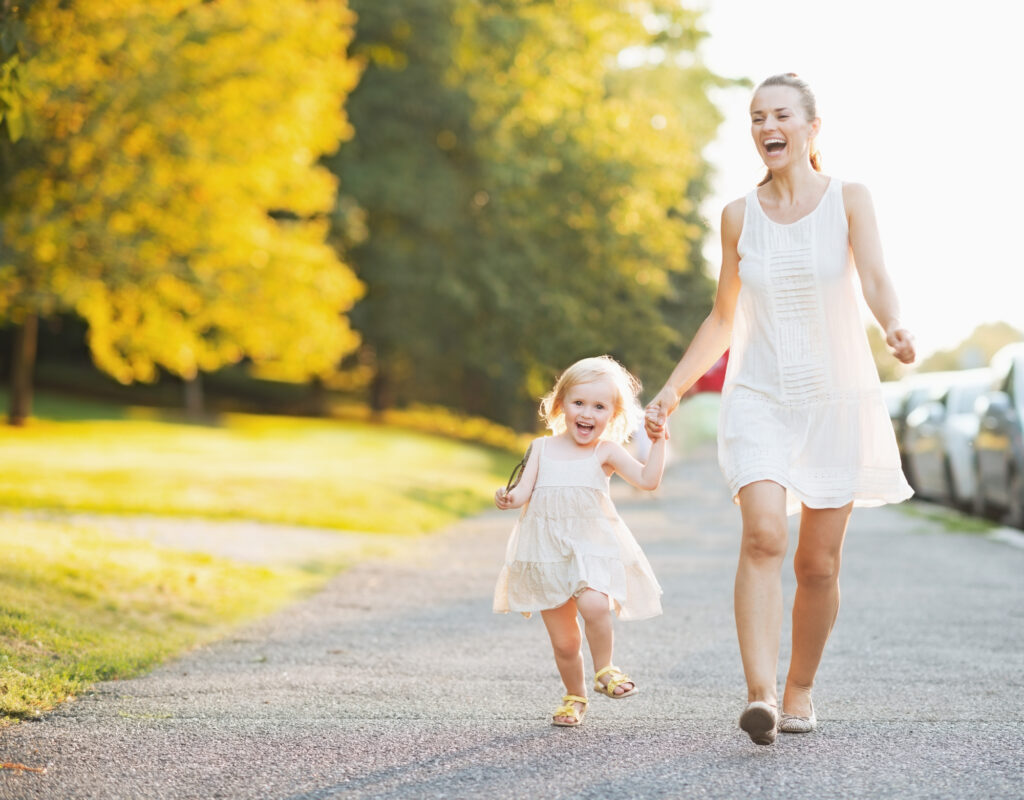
[[789, 185]]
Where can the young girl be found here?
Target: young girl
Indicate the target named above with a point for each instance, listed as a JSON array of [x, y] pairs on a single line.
[[570, 552]]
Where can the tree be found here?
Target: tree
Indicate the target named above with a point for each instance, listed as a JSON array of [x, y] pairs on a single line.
[[173, 197], [553, 210], [974, 351]]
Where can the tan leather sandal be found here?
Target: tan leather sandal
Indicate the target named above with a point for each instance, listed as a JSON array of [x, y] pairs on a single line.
[[568, 709], [615, 679]]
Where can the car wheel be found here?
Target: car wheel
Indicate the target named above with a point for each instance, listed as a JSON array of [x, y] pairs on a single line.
[[949, 489], [979, 506]]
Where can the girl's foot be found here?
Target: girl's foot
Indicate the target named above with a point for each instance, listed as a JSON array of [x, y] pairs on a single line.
[[570, 713], [616, 684]]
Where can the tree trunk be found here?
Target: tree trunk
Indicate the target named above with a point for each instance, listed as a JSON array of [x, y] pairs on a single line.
[[194, 396], [23, 361]]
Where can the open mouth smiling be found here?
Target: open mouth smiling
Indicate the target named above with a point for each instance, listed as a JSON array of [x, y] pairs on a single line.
[[584, 427], [774, 145]]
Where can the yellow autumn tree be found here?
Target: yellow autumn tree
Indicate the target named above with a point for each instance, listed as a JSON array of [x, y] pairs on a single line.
[[169, 190]]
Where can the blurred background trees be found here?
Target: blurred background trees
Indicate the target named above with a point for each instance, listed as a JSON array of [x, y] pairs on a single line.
[[448, 208]]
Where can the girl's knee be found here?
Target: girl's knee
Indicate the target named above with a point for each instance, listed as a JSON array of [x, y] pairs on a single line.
[[592, 605], [567, 646]]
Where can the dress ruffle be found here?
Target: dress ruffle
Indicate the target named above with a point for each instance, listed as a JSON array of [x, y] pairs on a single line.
[[568, 539]]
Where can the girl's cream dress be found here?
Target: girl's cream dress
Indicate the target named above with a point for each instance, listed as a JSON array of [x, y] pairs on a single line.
[[569, 538]]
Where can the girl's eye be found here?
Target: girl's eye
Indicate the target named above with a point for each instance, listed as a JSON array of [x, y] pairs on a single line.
[[577, 402], [600, 406]]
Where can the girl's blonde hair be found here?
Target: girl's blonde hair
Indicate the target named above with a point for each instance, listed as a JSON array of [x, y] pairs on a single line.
[[628, 413]]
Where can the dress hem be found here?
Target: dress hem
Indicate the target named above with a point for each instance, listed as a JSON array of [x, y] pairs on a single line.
[[861, 497]]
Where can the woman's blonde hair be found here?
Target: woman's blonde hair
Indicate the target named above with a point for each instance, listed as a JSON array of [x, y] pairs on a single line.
[[628, 413]]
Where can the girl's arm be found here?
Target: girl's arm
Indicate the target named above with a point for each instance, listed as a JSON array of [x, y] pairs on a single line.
[[874, 279], [521, 493], [713, 336], [642, 476]]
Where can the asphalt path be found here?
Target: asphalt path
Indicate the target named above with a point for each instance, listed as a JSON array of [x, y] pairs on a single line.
[[397, 681]]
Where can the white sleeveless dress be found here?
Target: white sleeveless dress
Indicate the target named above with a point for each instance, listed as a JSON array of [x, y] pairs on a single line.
[[569, 538], [802, 404]]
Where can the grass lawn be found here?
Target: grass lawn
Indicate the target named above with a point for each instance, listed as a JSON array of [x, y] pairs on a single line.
[[347, 475], [79, 604]]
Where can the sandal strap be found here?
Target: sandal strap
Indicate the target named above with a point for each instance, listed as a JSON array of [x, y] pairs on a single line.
[[615, 678], [569, 708]]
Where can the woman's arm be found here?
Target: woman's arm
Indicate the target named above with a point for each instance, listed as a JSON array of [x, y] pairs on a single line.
[[642, 476], [874, 279], [712, 338]]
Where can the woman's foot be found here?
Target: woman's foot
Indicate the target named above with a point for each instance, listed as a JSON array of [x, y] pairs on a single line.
[[570, 713], [759, 721], [793, 723], [615, 684]]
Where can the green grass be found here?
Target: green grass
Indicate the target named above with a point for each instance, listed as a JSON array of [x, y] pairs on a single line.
[[78, 605], [953, 521], [348, 475]]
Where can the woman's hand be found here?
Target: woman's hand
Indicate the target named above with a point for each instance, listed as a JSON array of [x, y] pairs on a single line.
[[657, 413], [902, 343]]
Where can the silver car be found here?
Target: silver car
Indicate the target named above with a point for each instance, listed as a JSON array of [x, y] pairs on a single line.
[[938, 439]]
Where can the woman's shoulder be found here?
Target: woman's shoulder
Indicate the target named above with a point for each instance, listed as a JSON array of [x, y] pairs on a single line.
[[732, 216]]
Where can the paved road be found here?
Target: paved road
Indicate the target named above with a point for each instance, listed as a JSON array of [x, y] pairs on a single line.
[[398, 682]]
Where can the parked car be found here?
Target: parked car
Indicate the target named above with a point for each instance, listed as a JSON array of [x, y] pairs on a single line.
[[938, 439], [999, 445], [917, 389]]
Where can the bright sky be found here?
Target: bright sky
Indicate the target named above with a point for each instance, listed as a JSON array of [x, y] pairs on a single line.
[[920, 101]]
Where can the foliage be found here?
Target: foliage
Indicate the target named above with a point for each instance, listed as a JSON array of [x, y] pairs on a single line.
[[974, 351], [169, 190], [78, 605], [528, 199]]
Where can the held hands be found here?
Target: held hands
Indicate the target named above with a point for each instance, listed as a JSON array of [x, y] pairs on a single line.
[[902, 343], [657, 413]]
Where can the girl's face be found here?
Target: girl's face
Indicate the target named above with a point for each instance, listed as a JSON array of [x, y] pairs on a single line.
[[589, 407], [781, 130]]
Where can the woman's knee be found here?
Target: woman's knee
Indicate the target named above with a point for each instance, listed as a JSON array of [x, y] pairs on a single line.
[[820, 568], [764, 538]]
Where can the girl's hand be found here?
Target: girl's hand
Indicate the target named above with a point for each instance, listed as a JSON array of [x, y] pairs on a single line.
[[502, 499], [657, 413], [902, 343]]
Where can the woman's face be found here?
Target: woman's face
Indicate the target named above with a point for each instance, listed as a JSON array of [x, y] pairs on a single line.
[[779, 125]]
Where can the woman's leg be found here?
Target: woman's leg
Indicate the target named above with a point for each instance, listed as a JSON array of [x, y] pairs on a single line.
[[593, 606], [816, 564], [566, 642], [758, 593]]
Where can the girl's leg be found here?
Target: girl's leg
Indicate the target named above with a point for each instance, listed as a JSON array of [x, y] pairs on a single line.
[[758, 593], [566, 641], [817, 560], [593, 606]]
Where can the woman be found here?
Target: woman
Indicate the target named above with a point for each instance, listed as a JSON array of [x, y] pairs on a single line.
[[803, 424]]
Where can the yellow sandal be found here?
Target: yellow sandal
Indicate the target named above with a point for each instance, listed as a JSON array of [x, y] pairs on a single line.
[[615, 678], [568, 709]]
